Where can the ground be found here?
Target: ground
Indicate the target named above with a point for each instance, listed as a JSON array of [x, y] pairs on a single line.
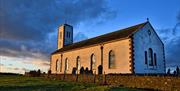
[[22, 83]]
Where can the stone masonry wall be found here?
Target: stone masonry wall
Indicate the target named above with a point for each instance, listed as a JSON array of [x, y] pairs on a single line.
[[165, 83]]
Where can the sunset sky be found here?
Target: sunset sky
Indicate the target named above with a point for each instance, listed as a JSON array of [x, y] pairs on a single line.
[[28, 28]]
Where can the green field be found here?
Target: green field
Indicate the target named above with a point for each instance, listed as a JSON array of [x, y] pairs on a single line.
[[21, 83]]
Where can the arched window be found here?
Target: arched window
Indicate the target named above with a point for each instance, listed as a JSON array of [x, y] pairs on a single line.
[[60, 35], [150, 57], [111, 59], [145, 55], [78, 63], [155, 59], [93, 62], [66, 64], [67, 34], [58, 65]]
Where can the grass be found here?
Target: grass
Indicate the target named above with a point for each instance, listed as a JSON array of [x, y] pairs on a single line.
[[22, 83]]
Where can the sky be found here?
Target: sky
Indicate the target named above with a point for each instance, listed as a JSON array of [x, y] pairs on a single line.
[[28, 28]]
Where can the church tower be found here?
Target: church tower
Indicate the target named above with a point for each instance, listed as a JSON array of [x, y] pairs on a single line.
[[65, 35]]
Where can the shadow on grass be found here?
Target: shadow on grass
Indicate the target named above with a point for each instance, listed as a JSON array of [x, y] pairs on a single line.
[[35, 88], [60, 87], [22, 83], [128, 89], [66, 88]]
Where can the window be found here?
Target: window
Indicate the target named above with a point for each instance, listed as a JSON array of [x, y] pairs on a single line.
[[57, 65], [78, 64], [66, 64], [149, 32], [60, 64], [145, 57], [67, 34], [111, 59], [150, 57], [60, 35], [93, 62], [155, 59]]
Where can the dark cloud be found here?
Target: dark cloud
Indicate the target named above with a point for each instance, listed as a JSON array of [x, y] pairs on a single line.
[[38, 63], [28, 28], [1, 64], [33, 20], [45, 64], [177, 26], [171, 38], [10, 64], [26, 70], [24, 49], [16, 68]]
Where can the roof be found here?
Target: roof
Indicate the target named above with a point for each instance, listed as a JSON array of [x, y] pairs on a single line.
[[123, 33]]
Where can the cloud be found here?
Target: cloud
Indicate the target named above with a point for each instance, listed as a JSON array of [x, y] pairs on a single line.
[[19, 69], [1, 64], [79, 37], [28, 28], [22, 49], [33, 20], [10, 64], [171, 38], [26, 70], [16, 69], [21, 65], [38, 63], [13, 70]]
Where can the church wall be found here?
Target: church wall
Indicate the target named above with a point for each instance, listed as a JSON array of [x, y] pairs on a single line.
[[54, 58], [85, 57], [121, 49], [143, 40], [122, 56]]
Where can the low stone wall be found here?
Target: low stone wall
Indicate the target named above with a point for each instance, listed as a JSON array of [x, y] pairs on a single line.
[[152, 82], [165, 83]]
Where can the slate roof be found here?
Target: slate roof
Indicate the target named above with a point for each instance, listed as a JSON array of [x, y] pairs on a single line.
[[123, 33]]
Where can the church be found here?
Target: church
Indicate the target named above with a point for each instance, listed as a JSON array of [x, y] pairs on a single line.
[[133, 50]]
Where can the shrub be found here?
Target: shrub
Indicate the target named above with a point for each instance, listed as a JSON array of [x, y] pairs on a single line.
[[82, 70]]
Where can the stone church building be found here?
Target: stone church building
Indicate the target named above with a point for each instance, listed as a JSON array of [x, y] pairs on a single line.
[[133, 50]]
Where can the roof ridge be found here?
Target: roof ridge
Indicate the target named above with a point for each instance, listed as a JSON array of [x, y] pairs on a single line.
[[123, 29], [121, 33], [140, 26]]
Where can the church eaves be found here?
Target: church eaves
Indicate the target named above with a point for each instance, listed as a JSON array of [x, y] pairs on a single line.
[[122, 33]]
